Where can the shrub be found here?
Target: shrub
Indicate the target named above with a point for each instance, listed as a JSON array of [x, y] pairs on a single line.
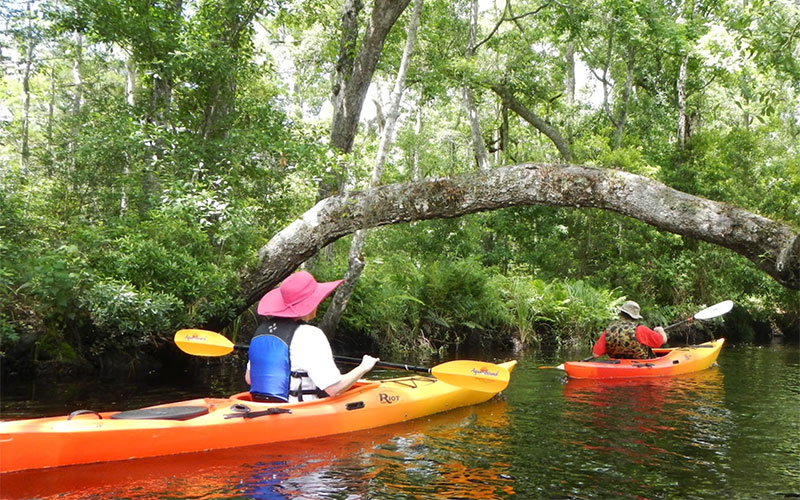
[[406, 306], [556, 312], [127, 317]]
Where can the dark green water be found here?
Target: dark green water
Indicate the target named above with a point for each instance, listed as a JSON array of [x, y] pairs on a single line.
[[729, 432]]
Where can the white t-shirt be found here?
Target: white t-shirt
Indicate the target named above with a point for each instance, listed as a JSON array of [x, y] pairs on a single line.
[[310, 352]]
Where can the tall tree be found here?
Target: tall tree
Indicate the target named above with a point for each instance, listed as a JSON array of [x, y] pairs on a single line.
[[356, 63], [467, 97], [355, 259], [222, 35], [28, 36], [616, 110]]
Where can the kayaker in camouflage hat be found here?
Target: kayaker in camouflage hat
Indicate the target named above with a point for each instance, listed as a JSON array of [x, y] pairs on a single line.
[[625, 338]]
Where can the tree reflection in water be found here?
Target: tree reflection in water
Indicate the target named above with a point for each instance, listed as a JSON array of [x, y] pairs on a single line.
[[631, 426]]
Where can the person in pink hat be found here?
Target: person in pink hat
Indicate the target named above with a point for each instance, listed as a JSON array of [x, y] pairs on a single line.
[[291, 360]]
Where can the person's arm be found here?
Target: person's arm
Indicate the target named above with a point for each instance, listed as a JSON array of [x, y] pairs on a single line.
[[311, 352], [651, 338], [600, 346], [350, 378]]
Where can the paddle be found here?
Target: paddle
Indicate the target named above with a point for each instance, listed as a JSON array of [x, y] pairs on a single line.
[[474, 375], [714, 311], [708, 313]]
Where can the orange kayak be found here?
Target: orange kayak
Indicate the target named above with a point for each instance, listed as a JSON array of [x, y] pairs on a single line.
[[670, 362], [217, 423]]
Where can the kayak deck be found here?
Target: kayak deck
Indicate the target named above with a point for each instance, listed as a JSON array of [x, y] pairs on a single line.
[[217, 423], [672, 361]]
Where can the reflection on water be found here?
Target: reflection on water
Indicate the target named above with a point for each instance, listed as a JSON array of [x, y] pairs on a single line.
[[628, 416], [458, 461], [640, 430], [732, 431]]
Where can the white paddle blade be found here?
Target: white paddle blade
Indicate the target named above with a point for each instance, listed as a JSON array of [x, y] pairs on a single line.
[[715, 310]]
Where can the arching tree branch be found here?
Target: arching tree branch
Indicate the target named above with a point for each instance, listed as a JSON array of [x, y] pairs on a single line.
[[774, 247]]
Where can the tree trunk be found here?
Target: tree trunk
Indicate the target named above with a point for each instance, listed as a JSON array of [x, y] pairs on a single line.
[[416, 171], [354, 70], [622, 118], [160, 103], [681, 84], [607, 87], [529, 116], [160, 100], [569, 80], [497, 139], [478, 146], [130, 81], [683, 76], [77, 76], [51, 109], [26, 92], [774, 247], [355, 261], [77, 100], [476, 135], [504, 130], [130, 99]]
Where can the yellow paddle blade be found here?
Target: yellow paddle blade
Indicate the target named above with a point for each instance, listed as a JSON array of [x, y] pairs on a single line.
[[559, 367], [202, 342], [474, 375]]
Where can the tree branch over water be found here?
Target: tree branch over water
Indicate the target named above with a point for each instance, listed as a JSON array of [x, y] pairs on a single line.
[[773, 246]]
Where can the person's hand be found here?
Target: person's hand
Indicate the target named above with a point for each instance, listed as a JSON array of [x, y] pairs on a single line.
[[368, 362], [348, 379], [663, 334]]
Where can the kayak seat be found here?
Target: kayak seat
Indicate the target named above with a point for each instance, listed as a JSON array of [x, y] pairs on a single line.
[[84, 412], [163, 413]]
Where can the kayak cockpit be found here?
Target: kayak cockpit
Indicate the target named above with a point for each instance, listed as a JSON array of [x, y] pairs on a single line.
[[358, 387]]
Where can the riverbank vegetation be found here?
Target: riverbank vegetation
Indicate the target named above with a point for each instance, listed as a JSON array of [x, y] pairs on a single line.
[[150, 149]]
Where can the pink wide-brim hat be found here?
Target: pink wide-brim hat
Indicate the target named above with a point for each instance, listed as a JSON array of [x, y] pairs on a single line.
[[297, 296]]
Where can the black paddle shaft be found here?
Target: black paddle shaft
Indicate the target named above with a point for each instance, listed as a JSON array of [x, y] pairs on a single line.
[[384, 364]]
